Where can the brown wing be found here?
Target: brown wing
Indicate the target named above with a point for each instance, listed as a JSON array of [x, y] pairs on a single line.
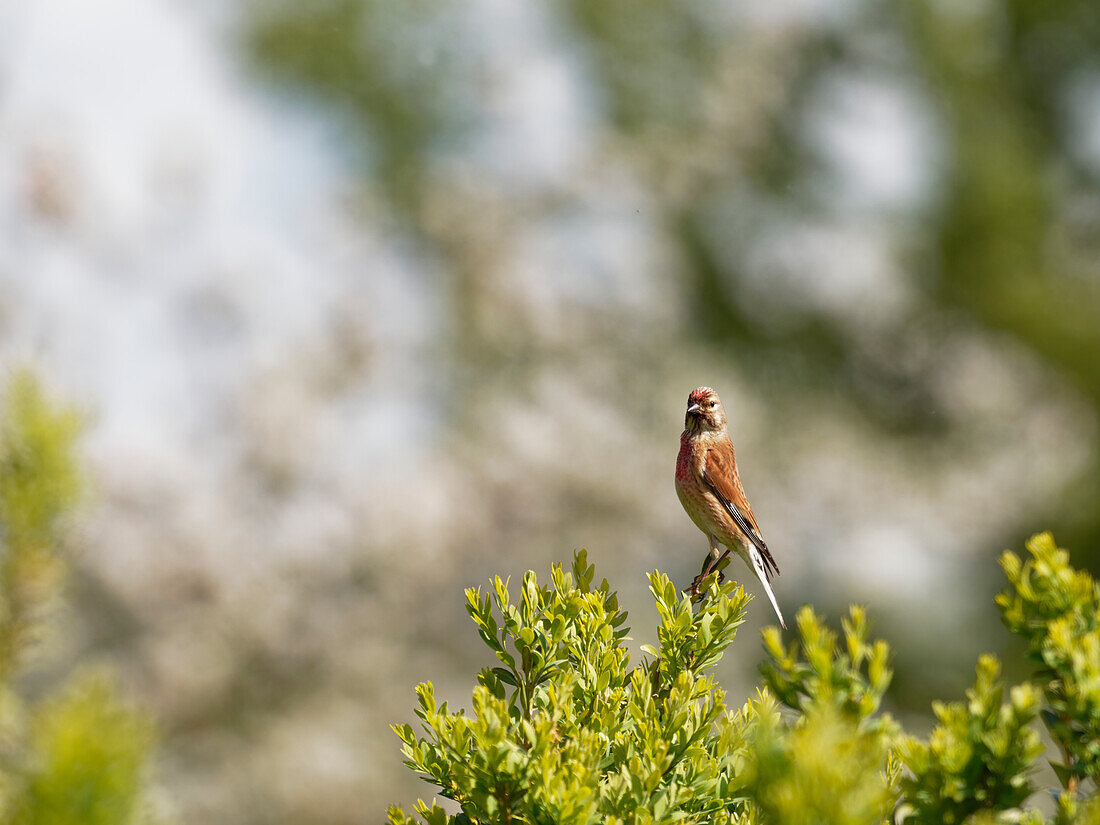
[[720, 475]]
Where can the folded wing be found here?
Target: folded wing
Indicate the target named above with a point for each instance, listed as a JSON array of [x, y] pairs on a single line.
[[720, 475]]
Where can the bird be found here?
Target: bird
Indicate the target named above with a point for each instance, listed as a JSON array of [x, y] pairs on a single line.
[[710, 489]]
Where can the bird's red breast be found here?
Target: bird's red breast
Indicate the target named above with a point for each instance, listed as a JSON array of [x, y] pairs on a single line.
[[699, 502], [685, 460]]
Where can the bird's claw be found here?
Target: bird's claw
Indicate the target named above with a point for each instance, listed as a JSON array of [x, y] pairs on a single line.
[[695, 589]]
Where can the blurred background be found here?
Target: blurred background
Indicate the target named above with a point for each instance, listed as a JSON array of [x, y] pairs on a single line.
[[365, 301]]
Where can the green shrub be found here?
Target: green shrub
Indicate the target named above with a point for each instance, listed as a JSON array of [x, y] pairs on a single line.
[[564, 730], [78, 757], [979, 756]]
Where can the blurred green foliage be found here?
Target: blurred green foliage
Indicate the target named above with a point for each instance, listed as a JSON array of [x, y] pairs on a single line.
[[822, 770], [79, 756], [90, 752], [39, 484], [563, 729]]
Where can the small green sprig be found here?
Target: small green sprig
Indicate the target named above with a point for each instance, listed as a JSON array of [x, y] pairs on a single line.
[[816, 668], [1055, 609], [980, 756]]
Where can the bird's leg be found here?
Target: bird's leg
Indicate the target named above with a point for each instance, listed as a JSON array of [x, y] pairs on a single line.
[[708, 563], [713, 559], [715, 556], [718, 566]]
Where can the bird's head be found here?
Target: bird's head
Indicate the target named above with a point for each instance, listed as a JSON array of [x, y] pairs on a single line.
[[704, 411]]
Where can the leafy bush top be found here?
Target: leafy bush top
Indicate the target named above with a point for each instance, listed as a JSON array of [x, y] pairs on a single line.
[[563, 729]]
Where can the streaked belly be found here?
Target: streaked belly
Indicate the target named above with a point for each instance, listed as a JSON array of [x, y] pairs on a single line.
[[704, 510]]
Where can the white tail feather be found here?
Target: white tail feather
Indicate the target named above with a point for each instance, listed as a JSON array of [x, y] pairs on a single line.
[[756, 562]]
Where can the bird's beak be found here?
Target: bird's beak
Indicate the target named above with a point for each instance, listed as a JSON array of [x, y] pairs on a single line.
[[694, 409]]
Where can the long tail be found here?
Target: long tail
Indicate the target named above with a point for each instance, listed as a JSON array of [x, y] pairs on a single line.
[[757, 563]]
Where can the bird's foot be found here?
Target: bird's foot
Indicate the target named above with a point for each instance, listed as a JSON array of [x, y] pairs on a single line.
[[695, 589], [692, 590]]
